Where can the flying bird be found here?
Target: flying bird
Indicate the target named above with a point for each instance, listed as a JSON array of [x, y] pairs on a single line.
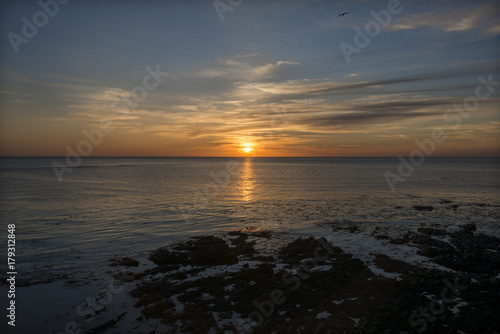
[[342, 14]]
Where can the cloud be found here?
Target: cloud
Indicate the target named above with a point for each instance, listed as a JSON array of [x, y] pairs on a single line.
[[316, 89], [280, 92], [481, 18], [244, 67], [364, 118]]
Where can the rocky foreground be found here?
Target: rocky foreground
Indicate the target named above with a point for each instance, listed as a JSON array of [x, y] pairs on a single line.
[[234, 284]]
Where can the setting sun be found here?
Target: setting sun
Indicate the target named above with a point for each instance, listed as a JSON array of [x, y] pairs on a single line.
[[247, 148]]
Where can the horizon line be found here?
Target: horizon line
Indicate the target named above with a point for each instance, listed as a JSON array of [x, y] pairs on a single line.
[[233, 157]]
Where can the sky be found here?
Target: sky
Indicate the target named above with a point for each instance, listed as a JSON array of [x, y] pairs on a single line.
[[250, 77]]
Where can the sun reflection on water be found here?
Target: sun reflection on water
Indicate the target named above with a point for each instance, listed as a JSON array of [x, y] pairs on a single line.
[[247, 183]]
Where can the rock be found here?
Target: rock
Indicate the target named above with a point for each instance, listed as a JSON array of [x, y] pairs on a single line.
[[468, 227], [125, 262], [420, 239], [303, 248], [378, 304], [467, 252], [428, 251], [262, 234], [400, 241], [211, 251], [242, 246], [431, 231], [352, 228], [206, 250], [423, 208], [163, 257]]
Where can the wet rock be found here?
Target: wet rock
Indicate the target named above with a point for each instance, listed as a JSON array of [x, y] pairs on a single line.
[[293, 295], [466, 251], [210, 251], [420, 238], [352, 228], [423, 207], [468, 227], [428, 251], [207, 250], [125, 262], [431, 231], [411, 272], [304, 248], [401, 240], [164, 257], [243, 247]]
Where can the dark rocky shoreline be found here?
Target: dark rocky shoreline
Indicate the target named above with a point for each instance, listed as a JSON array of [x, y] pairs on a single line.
[[228, 285]]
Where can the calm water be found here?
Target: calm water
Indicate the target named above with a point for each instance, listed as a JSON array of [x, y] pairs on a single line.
[[110, 206], [107, 207]]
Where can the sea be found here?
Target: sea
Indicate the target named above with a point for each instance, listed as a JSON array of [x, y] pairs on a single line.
[[68, 228]]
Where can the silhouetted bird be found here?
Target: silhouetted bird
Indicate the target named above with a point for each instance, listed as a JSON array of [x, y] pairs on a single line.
[[342, 14]]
